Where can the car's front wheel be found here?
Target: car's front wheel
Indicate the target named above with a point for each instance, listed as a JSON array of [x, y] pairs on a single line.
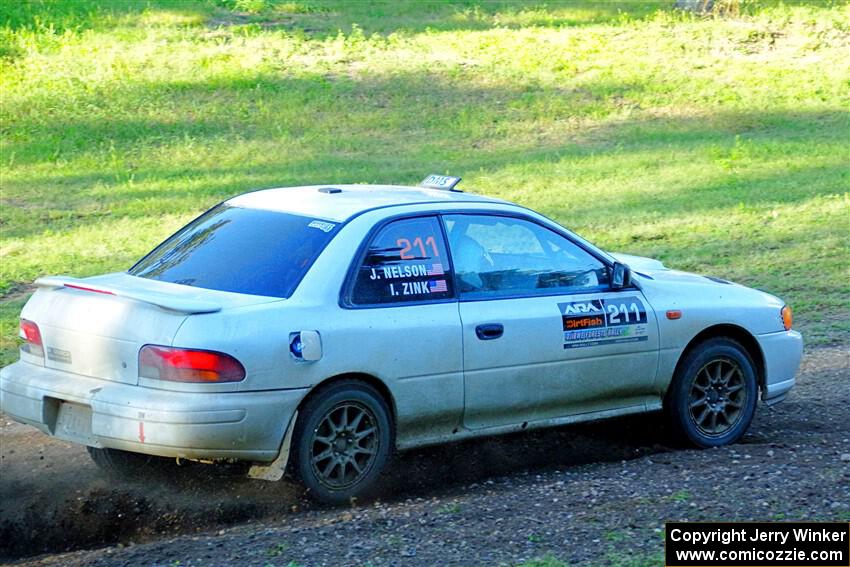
[[343, 441], [713, 396]]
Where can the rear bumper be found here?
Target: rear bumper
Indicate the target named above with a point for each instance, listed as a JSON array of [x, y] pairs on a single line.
[[237, 425], [782, 353]]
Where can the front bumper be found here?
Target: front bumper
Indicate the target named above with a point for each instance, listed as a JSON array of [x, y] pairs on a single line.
[[99, 413], [782, 353]]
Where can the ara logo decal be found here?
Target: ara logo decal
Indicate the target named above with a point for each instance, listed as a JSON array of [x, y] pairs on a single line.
[[581, 307]]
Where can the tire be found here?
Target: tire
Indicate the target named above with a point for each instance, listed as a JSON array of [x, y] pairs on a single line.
[[343, 440], [127, 465], [713, 395]]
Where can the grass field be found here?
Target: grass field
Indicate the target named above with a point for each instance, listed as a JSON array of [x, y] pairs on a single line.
[[717, 144]]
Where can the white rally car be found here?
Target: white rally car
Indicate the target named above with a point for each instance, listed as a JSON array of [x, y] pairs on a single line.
[[317, 329]]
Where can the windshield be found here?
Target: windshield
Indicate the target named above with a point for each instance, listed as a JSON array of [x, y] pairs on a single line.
[[250, 251]]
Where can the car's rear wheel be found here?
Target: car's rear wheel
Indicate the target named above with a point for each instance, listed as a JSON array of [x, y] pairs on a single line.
[[343, 441], [712, 399], [129, 465]]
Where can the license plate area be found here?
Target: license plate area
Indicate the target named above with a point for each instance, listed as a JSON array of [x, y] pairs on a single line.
[[73, 422]]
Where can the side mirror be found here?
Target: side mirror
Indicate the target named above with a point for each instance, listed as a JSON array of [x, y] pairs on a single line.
[[621, 276]]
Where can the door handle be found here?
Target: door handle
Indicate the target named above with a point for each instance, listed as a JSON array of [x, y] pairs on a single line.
[[490, 331]]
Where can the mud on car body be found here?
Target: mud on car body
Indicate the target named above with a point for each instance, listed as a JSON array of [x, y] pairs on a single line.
[[318, 329]]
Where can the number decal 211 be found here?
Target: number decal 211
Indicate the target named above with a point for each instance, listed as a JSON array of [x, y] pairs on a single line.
[[406, 246], [615, 311], [625, 311]]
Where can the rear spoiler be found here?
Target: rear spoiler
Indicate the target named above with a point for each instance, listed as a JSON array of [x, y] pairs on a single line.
[[169, 302]]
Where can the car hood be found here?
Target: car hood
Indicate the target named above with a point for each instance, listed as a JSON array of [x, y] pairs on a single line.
[[656, 270], [638, 263], [668, 288]]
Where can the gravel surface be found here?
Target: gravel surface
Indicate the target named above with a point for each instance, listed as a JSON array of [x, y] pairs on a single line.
[[597, 494]]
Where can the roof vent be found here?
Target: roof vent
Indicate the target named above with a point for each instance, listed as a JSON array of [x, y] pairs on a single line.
[[330, 190], [445, 182]]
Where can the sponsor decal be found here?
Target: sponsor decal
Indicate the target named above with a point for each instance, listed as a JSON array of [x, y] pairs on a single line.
[[583, 322], [603, 321]]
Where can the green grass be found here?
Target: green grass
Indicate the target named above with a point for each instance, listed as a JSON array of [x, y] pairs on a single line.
[[680, 496], [450, 508], [719, 145]]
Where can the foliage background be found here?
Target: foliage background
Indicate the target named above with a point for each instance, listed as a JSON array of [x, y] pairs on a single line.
[[717, 144]]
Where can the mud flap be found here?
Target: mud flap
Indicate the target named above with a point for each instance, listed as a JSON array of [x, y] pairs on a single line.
[[275, 469]]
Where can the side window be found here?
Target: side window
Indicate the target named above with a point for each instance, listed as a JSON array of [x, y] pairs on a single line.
[[406, 262], [502, 256]]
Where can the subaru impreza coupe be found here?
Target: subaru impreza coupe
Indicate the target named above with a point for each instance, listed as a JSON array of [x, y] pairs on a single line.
[[317, 329]]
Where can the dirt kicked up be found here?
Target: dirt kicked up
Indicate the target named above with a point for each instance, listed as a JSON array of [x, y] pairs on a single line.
[[595, 493]]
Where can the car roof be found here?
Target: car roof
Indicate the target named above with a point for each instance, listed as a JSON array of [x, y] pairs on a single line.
[[342, 202]]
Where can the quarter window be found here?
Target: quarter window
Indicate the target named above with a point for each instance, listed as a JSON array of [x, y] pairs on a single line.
[[502, 256], [405, 262]]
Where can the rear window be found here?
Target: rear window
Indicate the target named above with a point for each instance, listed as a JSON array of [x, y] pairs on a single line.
[[240, 250]]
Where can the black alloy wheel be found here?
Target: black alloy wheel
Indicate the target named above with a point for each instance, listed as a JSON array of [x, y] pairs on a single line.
[[712, 398], [342, 441]]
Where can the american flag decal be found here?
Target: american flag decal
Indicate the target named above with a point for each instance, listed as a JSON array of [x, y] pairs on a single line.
[[437, 286], [436, 270]]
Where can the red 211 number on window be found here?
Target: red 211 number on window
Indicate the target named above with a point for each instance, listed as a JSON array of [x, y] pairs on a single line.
[[406, 246]]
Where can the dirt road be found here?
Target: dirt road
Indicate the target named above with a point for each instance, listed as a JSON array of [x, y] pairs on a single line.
[[594, 493]]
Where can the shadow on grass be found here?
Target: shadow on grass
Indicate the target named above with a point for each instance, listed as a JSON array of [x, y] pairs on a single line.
[[393, 129], [320, 18], [326, 18], [60, 16]]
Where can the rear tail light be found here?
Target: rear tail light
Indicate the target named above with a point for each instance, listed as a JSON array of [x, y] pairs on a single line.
[[32, 338], [188, 365], [787, 318]]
